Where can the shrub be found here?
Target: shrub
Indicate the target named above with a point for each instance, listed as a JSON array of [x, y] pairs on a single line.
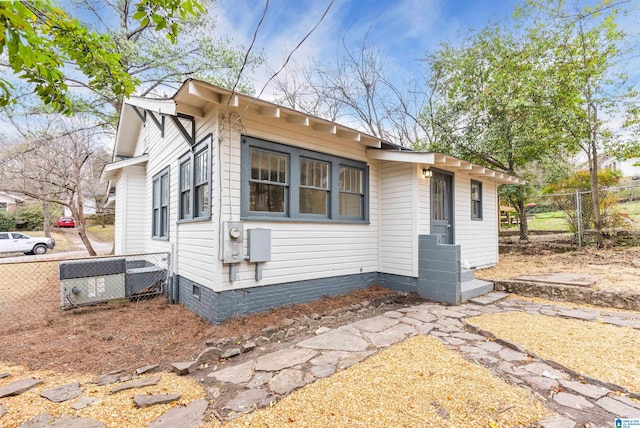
[[7, 221]]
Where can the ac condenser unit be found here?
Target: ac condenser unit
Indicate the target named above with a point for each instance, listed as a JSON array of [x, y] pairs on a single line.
[[85, 282]]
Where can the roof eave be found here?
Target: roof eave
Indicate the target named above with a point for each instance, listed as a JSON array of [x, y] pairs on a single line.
[[446, 162]]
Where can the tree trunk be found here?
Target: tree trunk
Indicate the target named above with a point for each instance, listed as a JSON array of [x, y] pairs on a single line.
[[593, 175], [79, 215], [85, 239], [46, 219], [82, 232], [521, 208]]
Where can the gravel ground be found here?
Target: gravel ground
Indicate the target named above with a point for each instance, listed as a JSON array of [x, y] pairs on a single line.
[[419, 382], [113, 410], [601, 351]]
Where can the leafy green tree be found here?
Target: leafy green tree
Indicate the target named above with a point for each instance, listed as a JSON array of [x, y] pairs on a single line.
[[42, 42], [496, 95], [564, 192], [158, 66], [588, 48]]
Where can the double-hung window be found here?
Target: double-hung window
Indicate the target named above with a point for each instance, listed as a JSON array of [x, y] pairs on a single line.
[[314, 187], [268, 182], [195, 178], [351, 192], [476, 200], [284, 182], [160, 212]]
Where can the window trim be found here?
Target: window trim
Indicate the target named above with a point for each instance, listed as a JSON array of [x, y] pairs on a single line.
[[158, 179], [478, 216], [292, 210], [204, 145]]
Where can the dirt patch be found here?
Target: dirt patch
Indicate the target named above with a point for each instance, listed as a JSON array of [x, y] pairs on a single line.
[[419, 382], [127, 336], [601, 351], [617, 269]]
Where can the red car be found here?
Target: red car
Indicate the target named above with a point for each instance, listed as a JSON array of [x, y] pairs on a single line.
[[66, 222]]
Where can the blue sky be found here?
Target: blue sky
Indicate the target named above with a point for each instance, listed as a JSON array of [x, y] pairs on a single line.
[[404, 30]]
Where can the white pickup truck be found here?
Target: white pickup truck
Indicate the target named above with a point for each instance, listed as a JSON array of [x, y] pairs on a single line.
[[16, 242]]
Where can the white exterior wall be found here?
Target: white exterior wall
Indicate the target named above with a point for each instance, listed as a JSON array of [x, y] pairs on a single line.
[[11, 203], [130, 234], [120, 221], [424, 205], [194, 244], [399, 211], [299, 250], [478, 239], [399, 207]]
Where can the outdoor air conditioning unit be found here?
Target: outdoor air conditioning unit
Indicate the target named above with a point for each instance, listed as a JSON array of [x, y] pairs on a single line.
[[143, 277], [85, 282]]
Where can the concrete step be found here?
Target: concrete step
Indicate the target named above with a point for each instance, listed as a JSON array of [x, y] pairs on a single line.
[[490, 298], [474, 288], [466, 275]]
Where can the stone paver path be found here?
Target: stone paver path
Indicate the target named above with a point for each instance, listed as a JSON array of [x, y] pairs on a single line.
[[260, 381], [267, 378]]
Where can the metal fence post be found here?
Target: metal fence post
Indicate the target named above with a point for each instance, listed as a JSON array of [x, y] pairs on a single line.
[[579, 217]]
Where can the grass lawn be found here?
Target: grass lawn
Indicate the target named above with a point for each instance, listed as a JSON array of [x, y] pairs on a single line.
[[102, 234], [63, 243], [554, 220]]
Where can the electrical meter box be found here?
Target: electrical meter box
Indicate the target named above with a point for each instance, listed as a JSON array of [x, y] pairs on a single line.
[[233, 242], [259, 244]]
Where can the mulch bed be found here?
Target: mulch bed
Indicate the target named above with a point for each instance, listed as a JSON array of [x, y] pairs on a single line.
[[110, 337]]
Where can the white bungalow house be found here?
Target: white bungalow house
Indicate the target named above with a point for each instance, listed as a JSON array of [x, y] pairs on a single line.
[[261, 205], [9, 202]]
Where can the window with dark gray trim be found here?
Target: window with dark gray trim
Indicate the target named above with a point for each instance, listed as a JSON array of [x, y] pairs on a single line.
[[195, 178], [280, 181], [160, 202], [476, 200]]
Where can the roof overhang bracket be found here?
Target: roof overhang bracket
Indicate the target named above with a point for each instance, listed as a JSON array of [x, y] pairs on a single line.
[[141, 114], [144, 113], [159, 122], [188, 134]]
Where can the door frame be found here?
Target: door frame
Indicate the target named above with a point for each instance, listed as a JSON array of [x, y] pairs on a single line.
[[450, 177]]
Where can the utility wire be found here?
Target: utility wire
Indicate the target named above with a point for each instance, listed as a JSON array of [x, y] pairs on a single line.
[[273, 76], [246, 57]]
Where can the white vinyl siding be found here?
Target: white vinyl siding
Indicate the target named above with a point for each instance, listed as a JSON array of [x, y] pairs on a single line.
[[424, 208], [299, 251], [398, 218], [197, 243], [130, 229], [478, 240], [398, 210]]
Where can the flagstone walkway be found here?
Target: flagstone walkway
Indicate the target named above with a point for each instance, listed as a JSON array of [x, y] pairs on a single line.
[[260, 381]]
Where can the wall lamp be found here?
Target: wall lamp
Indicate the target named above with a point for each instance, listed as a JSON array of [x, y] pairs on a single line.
[[426, 173]]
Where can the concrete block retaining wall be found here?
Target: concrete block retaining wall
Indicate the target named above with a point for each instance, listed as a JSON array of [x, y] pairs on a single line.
[[438, 270]]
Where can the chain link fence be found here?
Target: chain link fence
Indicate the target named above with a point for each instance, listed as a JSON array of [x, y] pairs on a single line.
[[36, 293], [571, 215]]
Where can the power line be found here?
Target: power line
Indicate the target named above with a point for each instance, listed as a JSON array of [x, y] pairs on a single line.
[[326, 11]]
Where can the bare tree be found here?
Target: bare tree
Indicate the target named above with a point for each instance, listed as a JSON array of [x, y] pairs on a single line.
[[54, 166], [356, 90]]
